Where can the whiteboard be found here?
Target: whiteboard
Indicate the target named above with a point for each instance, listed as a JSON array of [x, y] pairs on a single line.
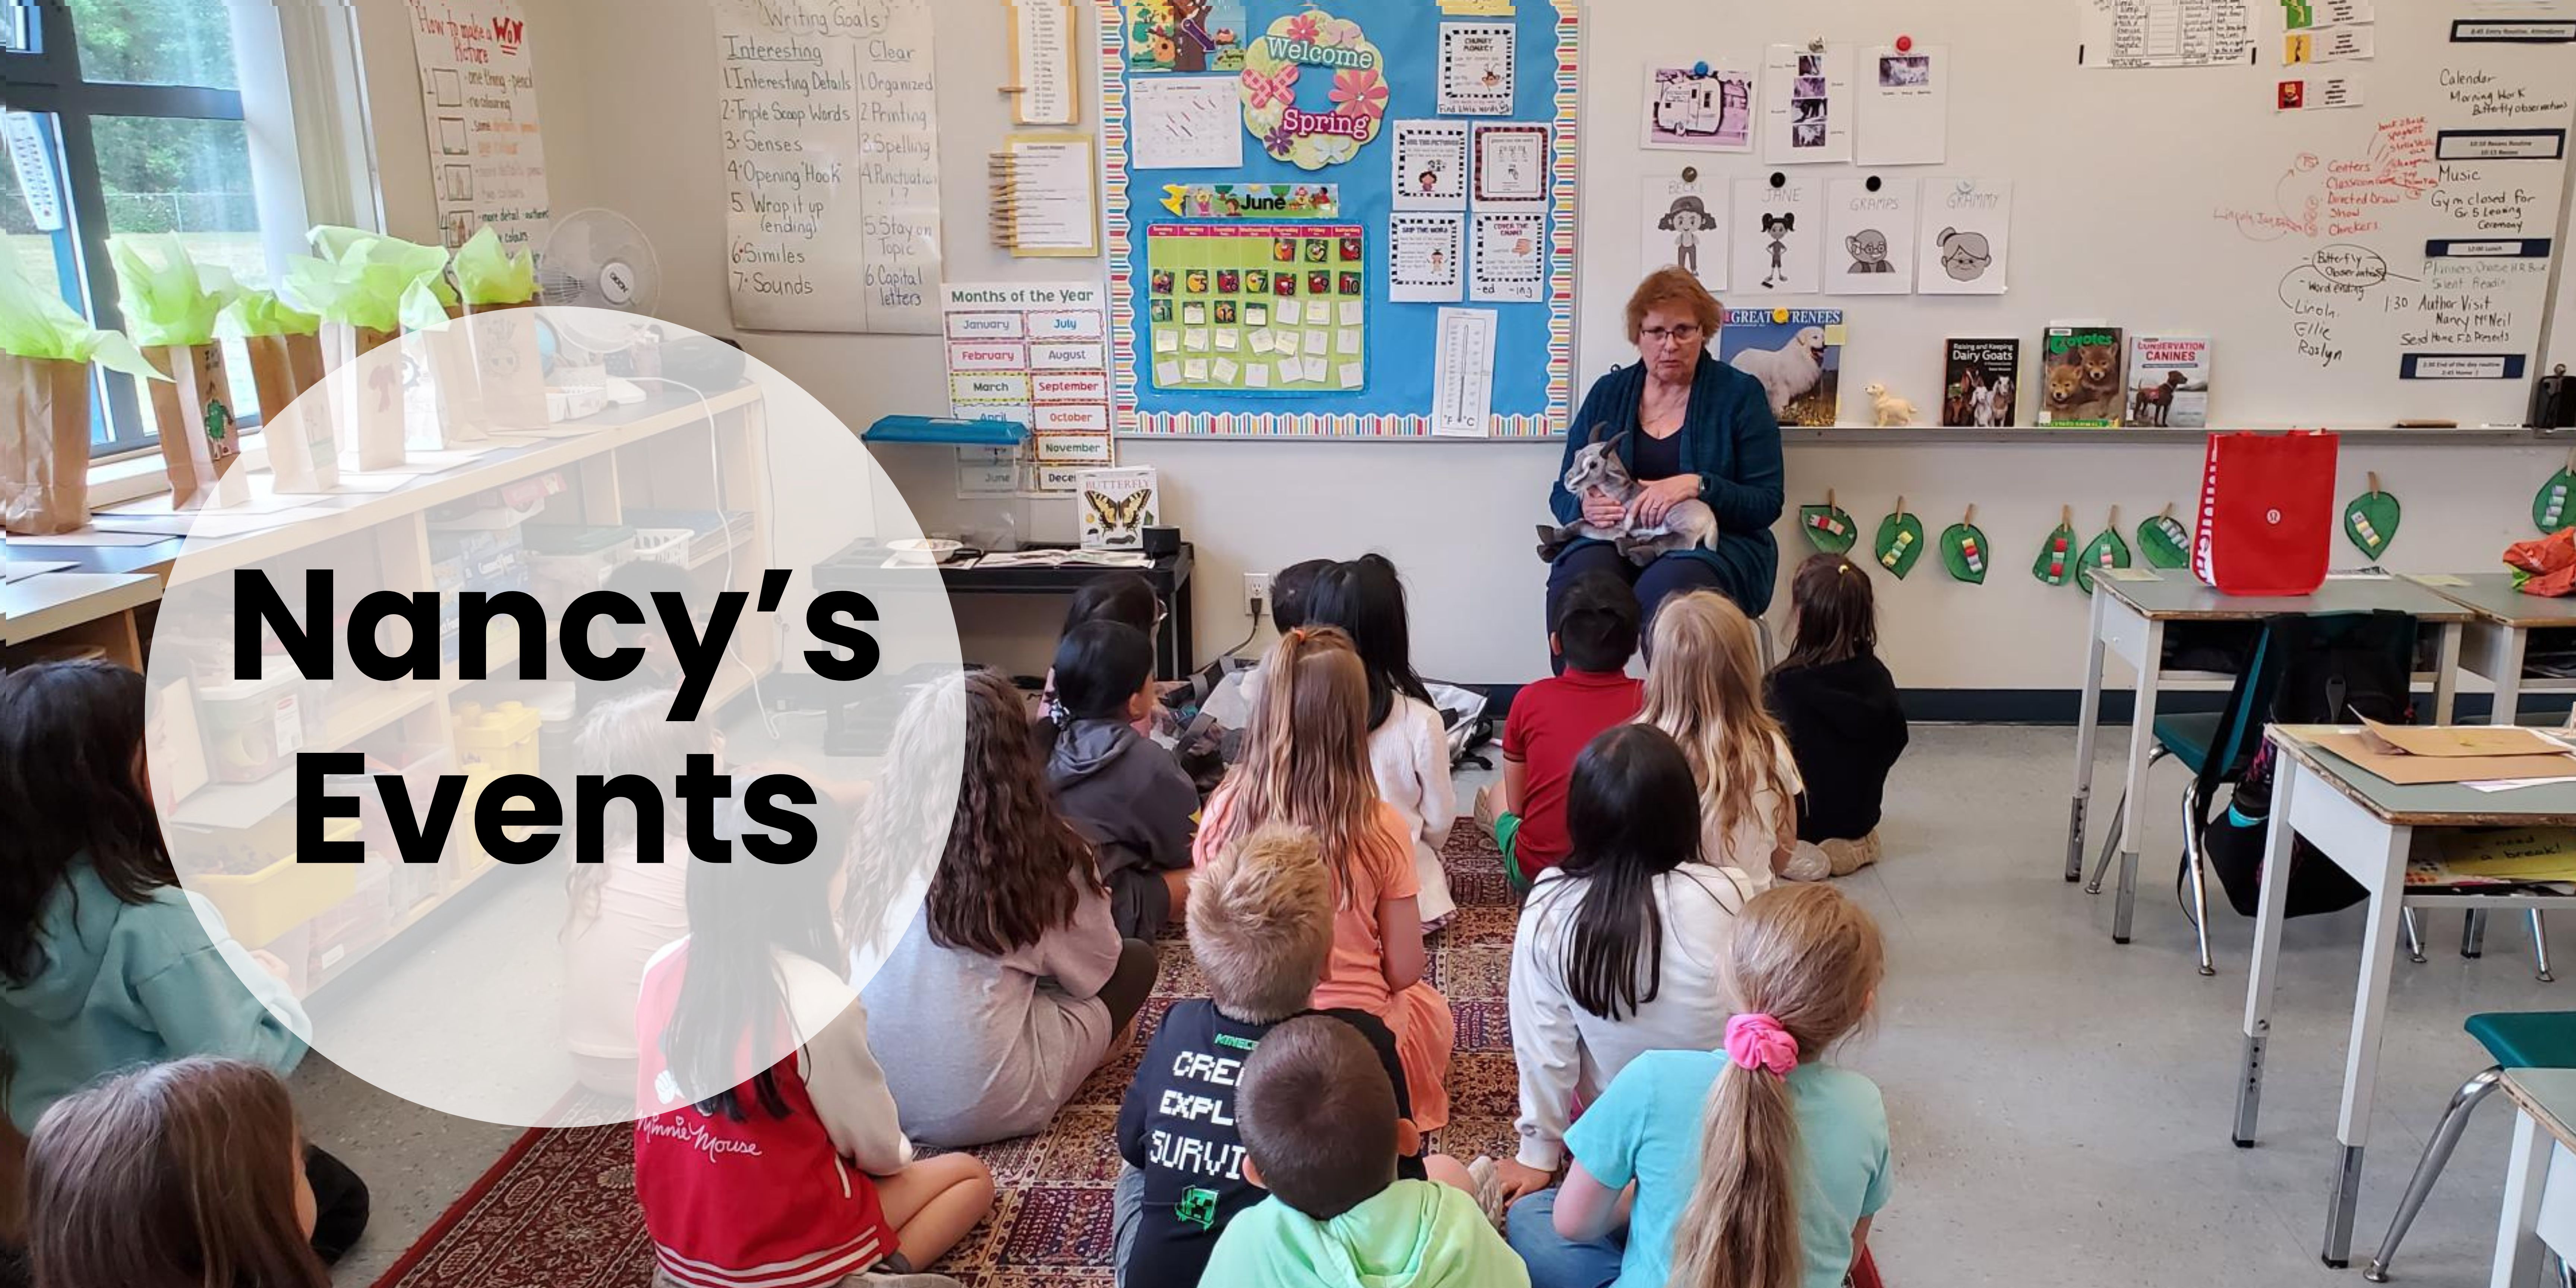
[[2164, 201]]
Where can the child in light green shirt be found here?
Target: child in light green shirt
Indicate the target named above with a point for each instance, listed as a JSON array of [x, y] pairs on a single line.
[[1321, 1133]]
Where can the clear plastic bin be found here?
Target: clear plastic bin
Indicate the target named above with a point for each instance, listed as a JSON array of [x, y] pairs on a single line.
[[567, 561], [251, 728]]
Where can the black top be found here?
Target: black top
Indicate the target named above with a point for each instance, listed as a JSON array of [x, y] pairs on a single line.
[[1177, 1126], [1846, 730], [1656, 458]]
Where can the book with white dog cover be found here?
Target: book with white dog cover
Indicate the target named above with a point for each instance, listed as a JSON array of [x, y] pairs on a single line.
[[1797, 354]]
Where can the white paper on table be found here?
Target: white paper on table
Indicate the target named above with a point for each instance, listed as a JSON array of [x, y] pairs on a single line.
[[2509, 784], [1807, 105], [1185, 122], [1683, 226], [1779, 239], [1966, 239], [85, 537], [22, 569], [1904, 101], [1462, 387], [1476, 68], [1430, 165], [1426, 257], [1869, 236]]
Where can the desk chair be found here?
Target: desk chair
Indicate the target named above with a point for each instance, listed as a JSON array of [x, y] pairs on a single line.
[[2515, 1040]]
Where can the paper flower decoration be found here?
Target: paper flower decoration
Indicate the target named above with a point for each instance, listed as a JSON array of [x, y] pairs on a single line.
[[1304, 26], [1359, 93], [1279, 140]]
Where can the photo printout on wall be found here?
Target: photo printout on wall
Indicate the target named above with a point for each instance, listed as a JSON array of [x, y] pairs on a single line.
[[1966, 237], [1869, 237], [1904, 104], [1776, 239], [1807, 105], [1430, 165], [1701, 108], [1685, 228]]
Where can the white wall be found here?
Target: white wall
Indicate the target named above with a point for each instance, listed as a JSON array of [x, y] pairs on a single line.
[[629, 98]]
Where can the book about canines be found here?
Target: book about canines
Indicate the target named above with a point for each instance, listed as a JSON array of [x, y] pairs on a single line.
[[1980, 382], [2169, 381], [1797, 354], [2082, 366], [1117, 506]]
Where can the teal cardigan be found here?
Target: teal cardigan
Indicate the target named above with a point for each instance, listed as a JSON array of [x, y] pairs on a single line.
[[1730, 439]]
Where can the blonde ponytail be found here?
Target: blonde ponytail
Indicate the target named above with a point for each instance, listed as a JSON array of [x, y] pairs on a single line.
[[1805, 962]]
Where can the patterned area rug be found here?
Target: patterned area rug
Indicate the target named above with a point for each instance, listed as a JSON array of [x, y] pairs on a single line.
[[558, 1209]]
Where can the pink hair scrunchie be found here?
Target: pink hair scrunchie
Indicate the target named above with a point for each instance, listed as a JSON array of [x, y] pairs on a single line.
[[1757, 1041]]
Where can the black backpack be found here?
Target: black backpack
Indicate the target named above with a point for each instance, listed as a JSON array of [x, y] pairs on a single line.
[[2335, 669]]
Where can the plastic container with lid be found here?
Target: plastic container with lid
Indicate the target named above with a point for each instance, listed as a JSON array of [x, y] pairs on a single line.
[[252, 728], [566, 560], [262, 905]]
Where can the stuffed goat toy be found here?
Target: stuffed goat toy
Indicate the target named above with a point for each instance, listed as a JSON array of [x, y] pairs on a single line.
[[1597, 468]]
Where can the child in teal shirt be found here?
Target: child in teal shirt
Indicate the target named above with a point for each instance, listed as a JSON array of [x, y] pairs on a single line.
[[1320, 1132], [1807, 961]]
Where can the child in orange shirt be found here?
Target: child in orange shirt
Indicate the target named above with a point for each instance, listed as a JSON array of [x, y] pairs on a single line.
[[1305, 764]]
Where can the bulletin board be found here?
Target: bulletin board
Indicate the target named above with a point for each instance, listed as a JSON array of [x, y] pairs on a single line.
[[1308, 164]]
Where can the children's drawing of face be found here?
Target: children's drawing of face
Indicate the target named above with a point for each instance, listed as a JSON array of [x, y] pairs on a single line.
[[1688, 215], [1868, 249], [1964, 256]]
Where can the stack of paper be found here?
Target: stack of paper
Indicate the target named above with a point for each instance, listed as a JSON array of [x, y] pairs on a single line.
[[2415, 755]]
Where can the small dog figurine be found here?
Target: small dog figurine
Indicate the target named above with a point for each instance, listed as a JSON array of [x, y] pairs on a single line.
[[1689, 525], [1892, 412]]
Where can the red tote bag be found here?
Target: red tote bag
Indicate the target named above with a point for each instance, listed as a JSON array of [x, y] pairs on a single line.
[[2266, 513]]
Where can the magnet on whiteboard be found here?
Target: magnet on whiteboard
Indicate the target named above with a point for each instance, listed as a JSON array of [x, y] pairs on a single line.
[[1905, 44], [1699, 70]]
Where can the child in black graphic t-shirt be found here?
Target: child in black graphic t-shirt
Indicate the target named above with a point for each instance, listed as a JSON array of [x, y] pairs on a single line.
[[1261, 927]]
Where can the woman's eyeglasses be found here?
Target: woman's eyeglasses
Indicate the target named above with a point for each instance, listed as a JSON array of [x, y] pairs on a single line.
[[1661, 335]]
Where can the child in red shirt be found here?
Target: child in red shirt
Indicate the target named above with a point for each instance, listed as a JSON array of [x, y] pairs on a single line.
[[1551, 721]]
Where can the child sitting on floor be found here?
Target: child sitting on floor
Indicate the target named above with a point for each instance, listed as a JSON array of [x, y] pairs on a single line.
[[1595, 632], [1620, 949], [1321, 1133], [1704, 687], [622, 911], [1122, 597], [1010, 984], [1838, 704], [105, 962], [1755, 1166], [1126, 792], [1261, 930], [768, 1149], [1408, 743], [1231, 705], [189, 1172], [1306, 765]]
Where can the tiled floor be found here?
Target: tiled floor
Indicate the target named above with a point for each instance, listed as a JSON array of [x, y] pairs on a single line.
[[2061, 1105]]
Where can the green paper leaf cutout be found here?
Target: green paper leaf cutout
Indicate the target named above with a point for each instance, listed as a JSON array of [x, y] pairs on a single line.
[[2370, 522], [2056, 560], [1828, 528], [1900, 543], [2554, 506], [1963, 552], [2165, 542], [2107, 551]]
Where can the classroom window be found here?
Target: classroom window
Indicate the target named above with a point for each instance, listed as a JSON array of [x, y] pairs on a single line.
[[126, 118]]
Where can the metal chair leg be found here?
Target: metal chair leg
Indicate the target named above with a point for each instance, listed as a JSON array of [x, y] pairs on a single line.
[[2112, 836], [2428, 1169], [2473, 934], [2414, 935], [2195, 816], [2540, 946]]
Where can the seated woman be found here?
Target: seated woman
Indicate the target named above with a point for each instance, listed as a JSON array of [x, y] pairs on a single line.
[[1697, 429]]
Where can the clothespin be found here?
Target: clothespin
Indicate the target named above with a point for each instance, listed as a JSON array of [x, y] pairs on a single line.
[[2374, 482], [2169, 505], [2066, 516], [2115, 517], [1971, 520]]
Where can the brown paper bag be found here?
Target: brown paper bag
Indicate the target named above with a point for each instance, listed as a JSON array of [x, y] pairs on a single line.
[[44, 445], [193, 410], [459, 393], [296, 429], [509, 368], [367, 402]]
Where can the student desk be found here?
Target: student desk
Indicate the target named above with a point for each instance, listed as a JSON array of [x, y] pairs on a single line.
[[2365, 824], [2540, 1175], [2130, 619], [2499, 634]]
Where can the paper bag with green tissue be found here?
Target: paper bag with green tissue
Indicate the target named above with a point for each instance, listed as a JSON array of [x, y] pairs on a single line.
[[373, 283], [172, 302], [45, 354], [285, 348], [490, 277]]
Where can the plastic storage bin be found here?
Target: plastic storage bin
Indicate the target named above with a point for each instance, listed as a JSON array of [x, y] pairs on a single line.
[[566, 560], [502, 737], [262, 905], [251, 728]]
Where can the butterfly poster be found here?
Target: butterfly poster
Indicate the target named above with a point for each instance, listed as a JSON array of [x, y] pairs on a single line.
[[1117, 506]]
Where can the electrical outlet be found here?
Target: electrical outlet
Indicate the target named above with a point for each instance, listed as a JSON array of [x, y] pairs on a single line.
[[1256, 592]]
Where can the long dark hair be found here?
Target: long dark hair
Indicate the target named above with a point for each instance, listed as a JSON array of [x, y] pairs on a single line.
[[733, 998], [1631, 815], [71, 790], [1365, 598], [1837, 613], [1013, 868], [175, 1175]]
